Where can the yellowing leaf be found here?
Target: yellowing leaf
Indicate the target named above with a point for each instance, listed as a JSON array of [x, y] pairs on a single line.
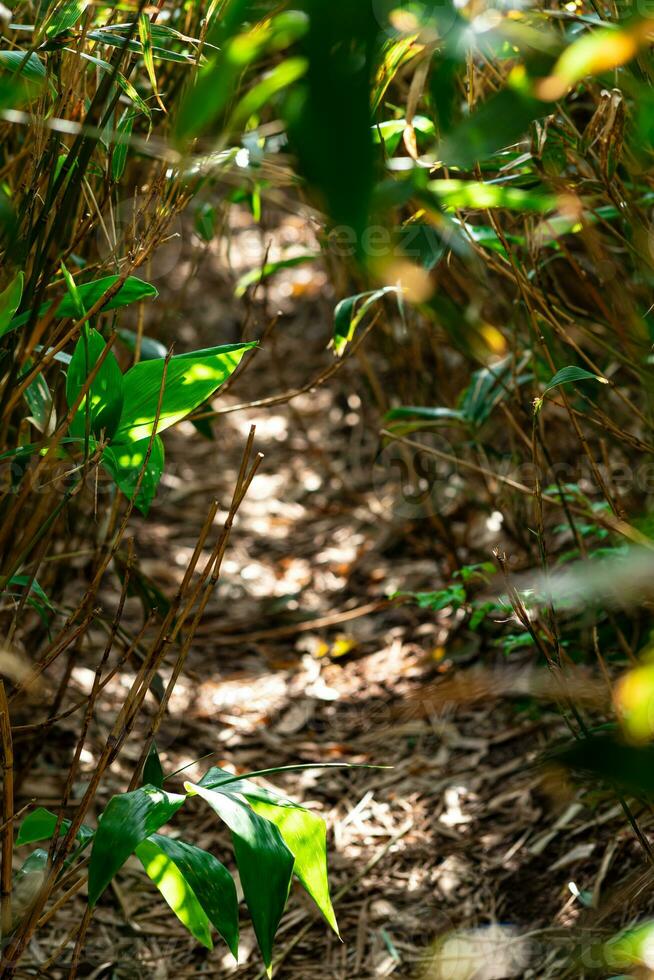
[[593, 54]]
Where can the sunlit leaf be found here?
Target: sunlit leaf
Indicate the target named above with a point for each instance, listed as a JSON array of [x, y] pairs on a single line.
[[64, 16], [145, 34], [128, 819], [304, 834], [190, 379], [208, 880], [177, 892], [124, 461], [264, 861], [103, 401], [594, 53], [260, 94], [133, 290], [475, 194]]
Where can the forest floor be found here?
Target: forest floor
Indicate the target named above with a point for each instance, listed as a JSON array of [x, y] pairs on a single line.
[[301, 658]]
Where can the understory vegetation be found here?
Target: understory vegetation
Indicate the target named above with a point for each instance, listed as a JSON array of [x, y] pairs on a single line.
[[458, 198]]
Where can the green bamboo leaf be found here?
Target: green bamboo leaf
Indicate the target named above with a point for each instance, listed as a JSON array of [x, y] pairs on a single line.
[[264, 861], [190, 379], [489, 386], [127, 821], [120, 80], [104, 400], [71, 286], [499, 122], [10, 301], [133, 290], [152, 770], [148, 58], [40, 824], [567, 375], [208, 880], [477, 194], [65, 16], [350, 312], [303, 832], [279, 78], [437, 413], [29, 67], [121, 145], [176, 890], [124, 462], [150, 349]]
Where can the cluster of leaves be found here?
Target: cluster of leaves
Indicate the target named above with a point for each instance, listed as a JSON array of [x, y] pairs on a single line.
[[274, 839]]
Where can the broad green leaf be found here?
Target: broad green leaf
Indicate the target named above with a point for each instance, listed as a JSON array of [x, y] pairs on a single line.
[[10, 301], [65, 16], [190, 380], [40, 825], [152, 771], [150, 348], [31, 68], [305, 835], [269, 269], [128, 819], [104, 400], [175, 889], [627, 949], [210, 882], [124, 462], [350, 312], [205, 221], [133, 290], [567, 375], [476, 194], [264, 861]]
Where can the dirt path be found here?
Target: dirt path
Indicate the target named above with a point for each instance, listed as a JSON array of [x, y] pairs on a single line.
[[300, 659]]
